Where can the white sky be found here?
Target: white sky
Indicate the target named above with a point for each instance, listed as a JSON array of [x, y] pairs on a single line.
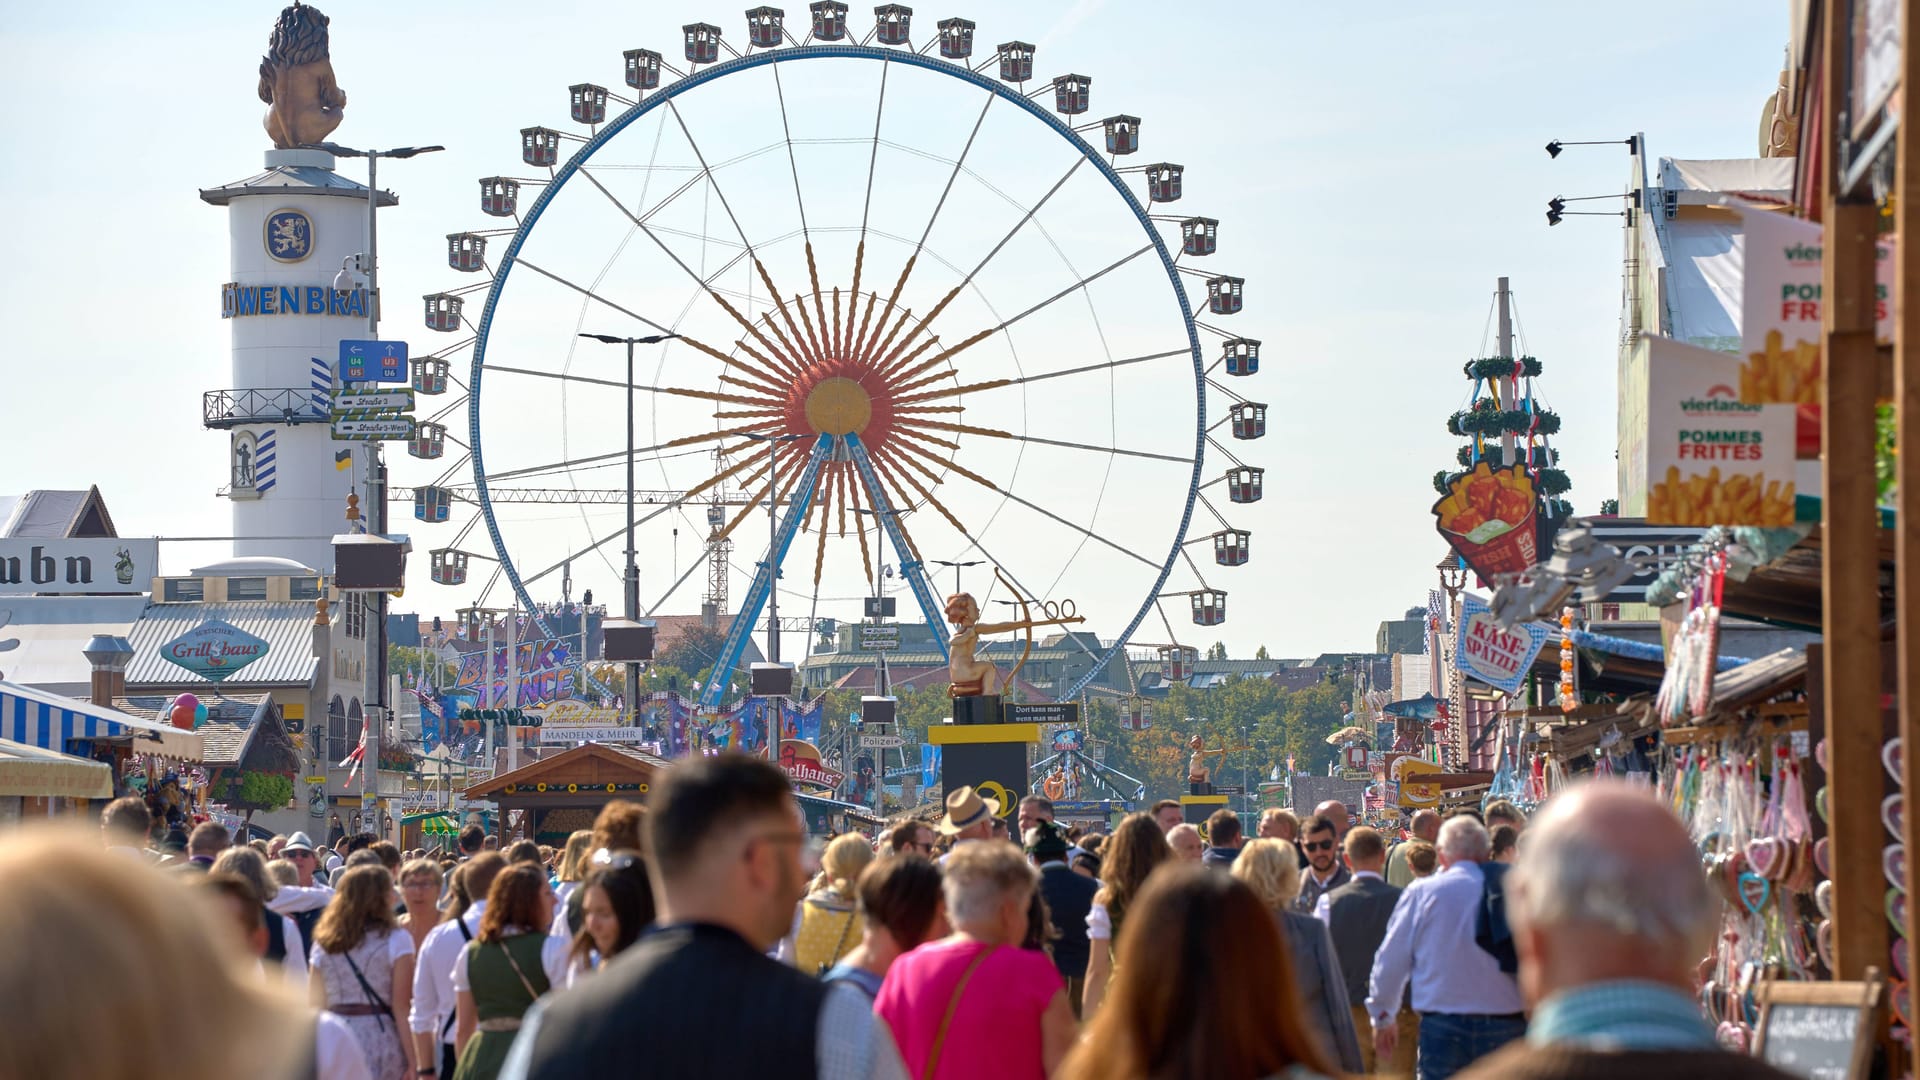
[[1374, 172]]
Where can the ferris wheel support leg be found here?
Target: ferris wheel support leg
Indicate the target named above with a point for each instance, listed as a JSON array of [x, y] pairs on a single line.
[[764, 577], [910, 567]]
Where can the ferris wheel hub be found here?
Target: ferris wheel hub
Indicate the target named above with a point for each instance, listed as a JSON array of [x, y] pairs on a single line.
[[838, 405], [840, 396]]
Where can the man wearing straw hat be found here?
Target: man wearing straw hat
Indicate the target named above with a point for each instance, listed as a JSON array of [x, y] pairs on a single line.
[[970, 816]]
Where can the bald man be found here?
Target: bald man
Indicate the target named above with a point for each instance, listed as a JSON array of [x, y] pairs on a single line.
[[1336, 811], [1610, 915], [1425, 826]]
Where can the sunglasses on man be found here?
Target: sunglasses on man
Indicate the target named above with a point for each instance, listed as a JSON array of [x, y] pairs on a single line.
[[1319, 845]]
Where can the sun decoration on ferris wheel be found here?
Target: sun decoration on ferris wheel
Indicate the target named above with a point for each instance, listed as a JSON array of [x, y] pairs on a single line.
[[1044, 442]]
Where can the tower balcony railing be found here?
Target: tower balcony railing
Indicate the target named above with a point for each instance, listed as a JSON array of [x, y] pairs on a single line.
[[232, 408]]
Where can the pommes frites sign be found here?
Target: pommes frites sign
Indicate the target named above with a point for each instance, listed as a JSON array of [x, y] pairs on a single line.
[[1780, 307], [1711, 458]]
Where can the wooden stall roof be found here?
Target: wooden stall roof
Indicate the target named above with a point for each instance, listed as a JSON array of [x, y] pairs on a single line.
[[1735, 689], [590, 765], [1787, 591]]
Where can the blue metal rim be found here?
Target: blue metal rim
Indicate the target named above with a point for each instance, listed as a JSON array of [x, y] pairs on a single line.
[[862, 52]]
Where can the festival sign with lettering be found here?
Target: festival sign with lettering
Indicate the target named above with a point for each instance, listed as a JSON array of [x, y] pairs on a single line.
[[1712, 459], [801, 760], [1499, 658], [541, 669], [214, 649], [1780, 307]]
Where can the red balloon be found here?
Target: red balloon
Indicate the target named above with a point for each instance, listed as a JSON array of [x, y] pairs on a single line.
[[182, 716]]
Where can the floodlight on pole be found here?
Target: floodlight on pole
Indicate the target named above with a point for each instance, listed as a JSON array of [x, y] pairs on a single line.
[[631, 575]]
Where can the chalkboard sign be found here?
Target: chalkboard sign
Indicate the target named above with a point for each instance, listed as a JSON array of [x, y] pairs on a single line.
[[1823, 1031]]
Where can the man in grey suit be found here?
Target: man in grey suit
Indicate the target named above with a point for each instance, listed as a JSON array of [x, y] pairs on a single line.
[[1356, 913]]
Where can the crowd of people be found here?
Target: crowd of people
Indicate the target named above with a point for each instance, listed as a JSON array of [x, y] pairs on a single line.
[[707, 935]]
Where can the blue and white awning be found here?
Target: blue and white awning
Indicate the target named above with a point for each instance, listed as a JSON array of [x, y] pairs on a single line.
[[53, 722]]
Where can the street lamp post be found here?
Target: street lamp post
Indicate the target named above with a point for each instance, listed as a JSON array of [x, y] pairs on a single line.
[[632, 576], [376, 472], [773, 537], [956, 568]]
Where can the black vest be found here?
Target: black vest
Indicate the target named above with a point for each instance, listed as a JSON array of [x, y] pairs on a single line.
[[276, 935], [305, 921], [1357, 915], [639, 1014]]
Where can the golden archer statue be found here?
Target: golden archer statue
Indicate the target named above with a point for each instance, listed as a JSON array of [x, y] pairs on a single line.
[[973, 677], [304, 104]]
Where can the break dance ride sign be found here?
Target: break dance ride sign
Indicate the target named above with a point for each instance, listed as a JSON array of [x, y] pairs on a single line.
[[1488, 654]]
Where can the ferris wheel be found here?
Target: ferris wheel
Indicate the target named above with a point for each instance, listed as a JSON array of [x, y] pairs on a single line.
[[875, 311]]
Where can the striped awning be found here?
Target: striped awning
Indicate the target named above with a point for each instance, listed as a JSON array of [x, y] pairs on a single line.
[[437, 824], [53, 722]]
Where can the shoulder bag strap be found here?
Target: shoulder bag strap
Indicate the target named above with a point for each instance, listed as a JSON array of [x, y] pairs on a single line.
[[386, 1010], [953, 1003], [839, 946], [532, 994]]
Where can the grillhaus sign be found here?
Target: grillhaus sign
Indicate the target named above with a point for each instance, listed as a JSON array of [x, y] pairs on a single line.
[[214, 649]]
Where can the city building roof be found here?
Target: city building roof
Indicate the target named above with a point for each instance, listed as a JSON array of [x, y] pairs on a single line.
[[286, 627], [254, 566], [52, 631], [51, 514], [305, 172]]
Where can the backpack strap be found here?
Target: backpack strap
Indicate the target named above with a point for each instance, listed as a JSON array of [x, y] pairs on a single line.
[[447, 1028]]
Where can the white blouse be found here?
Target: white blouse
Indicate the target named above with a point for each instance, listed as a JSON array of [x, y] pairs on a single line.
[[1099, 927]]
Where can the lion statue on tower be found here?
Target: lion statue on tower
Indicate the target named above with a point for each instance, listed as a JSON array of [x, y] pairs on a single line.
[[304, 104]]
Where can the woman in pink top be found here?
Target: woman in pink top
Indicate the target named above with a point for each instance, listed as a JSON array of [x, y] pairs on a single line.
[[976, 1004]]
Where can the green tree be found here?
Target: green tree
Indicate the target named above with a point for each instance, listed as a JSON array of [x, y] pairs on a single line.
[[1217, 651], [402, 659], [1261, 653]]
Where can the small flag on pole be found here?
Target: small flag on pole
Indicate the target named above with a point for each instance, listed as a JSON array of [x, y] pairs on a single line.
[[343, 459]]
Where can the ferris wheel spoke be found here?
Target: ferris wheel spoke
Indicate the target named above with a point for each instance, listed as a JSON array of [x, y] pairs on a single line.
[[853, 490], [572, 463], [820, 549], [1036, 508], [884, 464], [896, 500], [591, 295], [995, 384], [706, 284], [799, 345], [1068, 291], [675, 391], [995, 433], [932, 219]]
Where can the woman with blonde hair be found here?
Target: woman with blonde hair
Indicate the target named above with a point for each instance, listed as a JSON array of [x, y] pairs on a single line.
[[1134, 850], [826, 925], [362, 969], [573, 869], [420, 890], [1271, 868], [103, 957], [1207, 991]]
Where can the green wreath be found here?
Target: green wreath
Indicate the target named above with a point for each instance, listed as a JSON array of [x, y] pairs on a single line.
[[1501, 367]]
